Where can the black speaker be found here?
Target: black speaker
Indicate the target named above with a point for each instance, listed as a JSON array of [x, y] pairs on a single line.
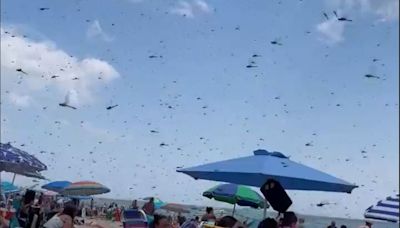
[[29, 196], [276, 195]]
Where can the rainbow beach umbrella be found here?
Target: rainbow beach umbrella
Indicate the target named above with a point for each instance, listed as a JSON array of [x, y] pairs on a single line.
[[85, 188], [236, 195]]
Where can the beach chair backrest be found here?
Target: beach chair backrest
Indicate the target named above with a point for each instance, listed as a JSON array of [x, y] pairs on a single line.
[[134, 218]]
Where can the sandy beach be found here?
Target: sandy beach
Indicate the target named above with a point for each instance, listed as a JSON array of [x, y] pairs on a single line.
[[101, 222]]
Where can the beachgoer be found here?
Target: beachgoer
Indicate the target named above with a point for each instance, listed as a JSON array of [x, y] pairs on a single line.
[[65, 219], [209, 215], [91, 204], [148, 207], [268, 223], [226, 221], [332, 225], [289, 220], [161, 221], [181, 219], [368, 224], [301, 223], [134, 204], [343, 226]]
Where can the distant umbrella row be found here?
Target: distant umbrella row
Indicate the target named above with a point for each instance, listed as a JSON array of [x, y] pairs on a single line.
[[17, 161]]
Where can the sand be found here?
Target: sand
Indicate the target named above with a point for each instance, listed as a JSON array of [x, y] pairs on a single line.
[[91, 223]]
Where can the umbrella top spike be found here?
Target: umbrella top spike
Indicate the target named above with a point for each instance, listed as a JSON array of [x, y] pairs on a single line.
[[265, 152]]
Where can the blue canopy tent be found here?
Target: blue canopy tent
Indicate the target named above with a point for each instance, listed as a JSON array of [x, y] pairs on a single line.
[[263, 165]]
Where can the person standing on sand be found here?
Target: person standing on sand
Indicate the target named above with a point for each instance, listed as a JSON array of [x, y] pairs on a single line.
[[134, 204], [332, 225], [209, 215], [148, 207]]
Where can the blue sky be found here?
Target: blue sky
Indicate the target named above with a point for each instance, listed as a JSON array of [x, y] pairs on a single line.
[[198, 94]]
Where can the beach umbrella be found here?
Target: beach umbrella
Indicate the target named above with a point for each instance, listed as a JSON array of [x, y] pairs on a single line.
[[387, 209], [174, 207], [263, 165], [84, 188], [157, 202], [236, 194], [56, 186], [7, 187], [17, 161]]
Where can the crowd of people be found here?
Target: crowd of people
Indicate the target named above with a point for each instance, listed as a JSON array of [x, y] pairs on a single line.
[[46, 212]]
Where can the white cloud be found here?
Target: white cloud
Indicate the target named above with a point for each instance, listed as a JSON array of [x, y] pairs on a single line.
[[41, 61], [96, 31], [331, 30], [19, 100], [191, 9], [386, 10]]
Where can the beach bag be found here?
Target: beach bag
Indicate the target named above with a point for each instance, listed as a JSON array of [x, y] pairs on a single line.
[[276, 195]]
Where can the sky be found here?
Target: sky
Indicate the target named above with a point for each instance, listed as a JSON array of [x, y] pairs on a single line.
[[189, 92]]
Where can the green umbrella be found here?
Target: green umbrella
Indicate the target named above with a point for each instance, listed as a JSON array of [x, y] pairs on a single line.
[[236, 194]]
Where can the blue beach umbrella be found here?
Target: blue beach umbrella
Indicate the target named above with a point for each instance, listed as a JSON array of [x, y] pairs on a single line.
[[56, 186], [387, 210], [7, 187], [263, 165], [18, 161]]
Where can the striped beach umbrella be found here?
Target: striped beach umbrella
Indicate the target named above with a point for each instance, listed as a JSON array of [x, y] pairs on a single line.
[[236, 194], [387, 210], [85, 188]]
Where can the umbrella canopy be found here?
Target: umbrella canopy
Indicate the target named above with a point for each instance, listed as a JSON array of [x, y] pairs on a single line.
[[157, 202], [256, 170], [56, 186], [18, 161], [174, 207], [8, 187], [387, 210], [85, 188], [236, 194]]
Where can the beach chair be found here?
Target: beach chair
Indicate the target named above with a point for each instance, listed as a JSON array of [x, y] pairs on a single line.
[[134, 218]]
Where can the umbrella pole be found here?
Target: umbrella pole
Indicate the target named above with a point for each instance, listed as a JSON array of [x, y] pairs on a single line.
[[234, 207], [265, 208], [14, 178]]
